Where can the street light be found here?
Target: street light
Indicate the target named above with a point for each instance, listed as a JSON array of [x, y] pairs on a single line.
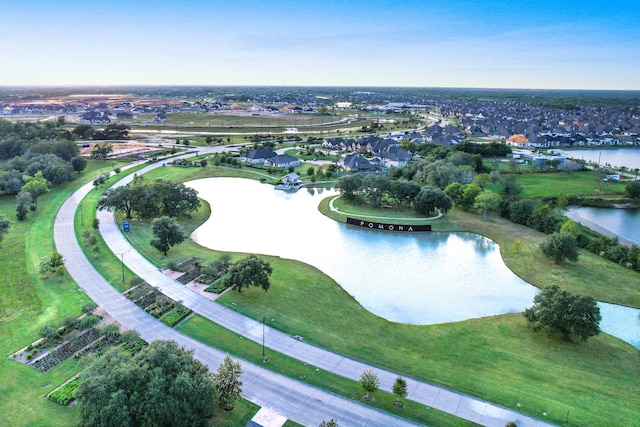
[[122, 262], [264, 318]]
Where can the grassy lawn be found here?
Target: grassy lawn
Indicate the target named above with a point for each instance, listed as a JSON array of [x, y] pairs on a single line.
[[497, 358], [577, 183], [27, 302]]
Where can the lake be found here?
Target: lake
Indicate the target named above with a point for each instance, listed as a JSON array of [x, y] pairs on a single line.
[[414, 278], [629, 157], [622, 222]]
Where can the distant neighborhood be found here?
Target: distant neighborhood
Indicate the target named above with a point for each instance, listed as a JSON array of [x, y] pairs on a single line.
[[519, 124]]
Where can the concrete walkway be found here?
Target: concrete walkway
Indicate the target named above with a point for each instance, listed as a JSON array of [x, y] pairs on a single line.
[[457, 404]]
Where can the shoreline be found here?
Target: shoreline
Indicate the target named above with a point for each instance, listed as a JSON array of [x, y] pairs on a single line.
[[572, 213]]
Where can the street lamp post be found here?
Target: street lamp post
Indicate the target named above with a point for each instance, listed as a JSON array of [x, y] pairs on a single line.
[[264, 318], [122, 262]]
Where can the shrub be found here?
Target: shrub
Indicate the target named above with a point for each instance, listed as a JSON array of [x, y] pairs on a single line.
[[89, 307]]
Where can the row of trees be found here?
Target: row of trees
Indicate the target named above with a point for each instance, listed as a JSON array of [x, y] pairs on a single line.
[[151, 199], [110, 132], [378, 188]]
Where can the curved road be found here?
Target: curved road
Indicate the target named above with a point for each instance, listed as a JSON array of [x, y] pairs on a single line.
[[293, 399]]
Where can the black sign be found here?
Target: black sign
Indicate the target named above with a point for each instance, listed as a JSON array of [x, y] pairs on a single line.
[[388, 227]]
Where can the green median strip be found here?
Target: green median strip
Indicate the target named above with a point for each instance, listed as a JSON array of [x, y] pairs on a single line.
[[216, 336]]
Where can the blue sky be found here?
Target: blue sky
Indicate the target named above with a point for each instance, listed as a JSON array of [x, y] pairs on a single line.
[[454, 43]]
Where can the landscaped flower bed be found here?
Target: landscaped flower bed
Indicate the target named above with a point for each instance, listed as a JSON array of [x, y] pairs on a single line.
[[175, 316], [66, 350], [218, 287], [65, 394]]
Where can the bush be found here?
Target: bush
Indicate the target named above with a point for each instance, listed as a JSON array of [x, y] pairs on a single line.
[[89, 307], [560, 246]]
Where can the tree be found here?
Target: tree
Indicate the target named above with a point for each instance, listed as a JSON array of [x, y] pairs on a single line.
[[430, 199], [562, 202], [56, 261], [571, 227], [559, 312], [24, 201], [632, 190], [175, 198], [44, 266], [349, 186], [330, 423], [35, 185], [375, 187], [79, 163], [95, 224], [560, 246], [468, 196], [486, 202], [227, 383], [250, 271], [370, 383], [119, 198], [400, 389], [101, 151], [5, 225], [167, 232], [161, 385], [404, 191], [83, 131]]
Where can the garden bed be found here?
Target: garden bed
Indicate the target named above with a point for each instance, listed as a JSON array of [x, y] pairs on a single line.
[[65, 393], [175, 316]]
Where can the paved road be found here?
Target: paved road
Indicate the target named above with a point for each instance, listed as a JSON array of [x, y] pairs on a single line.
[[446, 400]]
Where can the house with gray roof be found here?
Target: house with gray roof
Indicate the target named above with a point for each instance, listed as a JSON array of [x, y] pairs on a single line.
[[354, 162], [257, 157], [282, 161]]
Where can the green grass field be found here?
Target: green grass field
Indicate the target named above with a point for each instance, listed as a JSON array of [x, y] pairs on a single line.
[[27, 302]]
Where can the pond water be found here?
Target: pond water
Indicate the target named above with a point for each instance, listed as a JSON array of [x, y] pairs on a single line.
[[623, 222], [415, 278], [629, 157]]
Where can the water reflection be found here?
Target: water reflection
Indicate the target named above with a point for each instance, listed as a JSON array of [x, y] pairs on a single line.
[[419, 278]]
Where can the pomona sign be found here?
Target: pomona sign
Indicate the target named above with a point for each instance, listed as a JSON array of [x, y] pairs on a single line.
[[388, 227]]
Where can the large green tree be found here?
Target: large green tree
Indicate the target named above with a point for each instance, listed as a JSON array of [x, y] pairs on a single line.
[[167, 232], [250, 271], [559, 312], [375, 187], [101, 151], [487, 201], [162, 385], [118, 198], [431, 199], [404, 192], [560, 246], [632, 190], [36, 186]]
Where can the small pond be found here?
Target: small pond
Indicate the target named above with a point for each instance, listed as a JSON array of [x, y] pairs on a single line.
[[414, 278]]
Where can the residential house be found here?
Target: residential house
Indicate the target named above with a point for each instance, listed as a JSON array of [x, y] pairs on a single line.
[[354, 162], [396, 157], [95, 118], [257, 157], [159, 118], [282, 161]]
